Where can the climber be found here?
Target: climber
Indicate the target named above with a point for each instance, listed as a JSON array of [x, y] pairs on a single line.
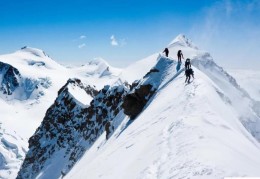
[[109, 129], [187, 64], [166, 51], [180, 56], [189, 72]]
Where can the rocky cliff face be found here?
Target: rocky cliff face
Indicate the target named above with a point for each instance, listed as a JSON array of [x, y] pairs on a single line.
[[68, 129], [14, 85], [9, 78], [142, 90]]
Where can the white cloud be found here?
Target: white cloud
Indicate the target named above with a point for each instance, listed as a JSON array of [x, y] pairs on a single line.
[[113, 41], [116, 42], [81, 45], [82, 37]]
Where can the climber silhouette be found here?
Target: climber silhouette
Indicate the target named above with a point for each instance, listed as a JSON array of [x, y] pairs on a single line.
[[180, 56], [189, 72], [166, 51], [187, 64]]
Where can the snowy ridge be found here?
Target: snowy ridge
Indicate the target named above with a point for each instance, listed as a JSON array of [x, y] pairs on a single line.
[[185, 131], [104, 111]]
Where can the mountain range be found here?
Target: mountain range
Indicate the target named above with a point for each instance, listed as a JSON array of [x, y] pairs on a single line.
[[143, 121]]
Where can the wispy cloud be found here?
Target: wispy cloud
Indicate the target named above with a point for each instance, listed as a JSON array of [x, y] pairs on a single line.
[[113, 41], [230, 30], [81, 45], [116, 42], [82, 37]]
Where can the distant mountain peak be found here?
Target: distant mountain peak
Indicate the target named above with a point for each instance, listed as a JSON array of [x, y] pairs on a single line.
[[34, 51], [182, 40], [98, 61]]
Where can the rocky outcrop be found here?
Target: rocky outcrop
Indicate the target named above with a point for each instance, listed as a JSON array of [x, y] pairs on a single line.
[[9, 78], [68, 129], [134, 102], [143, 90], [14, 85]]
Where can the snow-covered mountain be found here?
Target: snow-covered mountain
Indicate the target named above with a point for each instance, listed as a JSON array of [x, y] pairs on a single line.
[[93, 124], [98, 72], [158, 127], [206, 129], [29, 83]]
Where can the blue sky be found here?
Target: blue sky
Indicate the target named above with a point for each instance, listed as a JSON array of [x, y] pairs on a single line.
[[74, 32]]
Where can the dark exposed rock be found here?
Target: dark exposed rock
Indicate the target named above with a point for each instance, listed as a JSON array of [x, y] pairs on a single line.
[[10, 78], [134, 102], [154, 70], [11, 82]]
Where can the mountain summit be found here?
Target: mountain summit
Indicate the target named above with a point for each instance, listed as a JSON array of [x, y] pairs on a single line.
[[182, 40]]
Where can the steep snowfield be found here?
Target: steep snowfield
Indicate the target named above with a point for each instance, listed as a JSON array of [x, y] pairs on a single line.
[[138, 69], [205, 129], [186, 131], [249, 80]]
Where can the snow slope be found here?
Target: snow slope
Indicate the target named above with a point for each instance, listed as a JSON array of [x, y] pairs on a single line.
[[187, 135], [205, 129]]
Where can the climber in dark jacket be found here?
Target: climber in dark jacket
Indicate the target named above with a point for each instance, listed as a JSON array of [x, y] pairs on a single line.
[[189, 72], [166, 51], [187, 64], [180, 56]]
